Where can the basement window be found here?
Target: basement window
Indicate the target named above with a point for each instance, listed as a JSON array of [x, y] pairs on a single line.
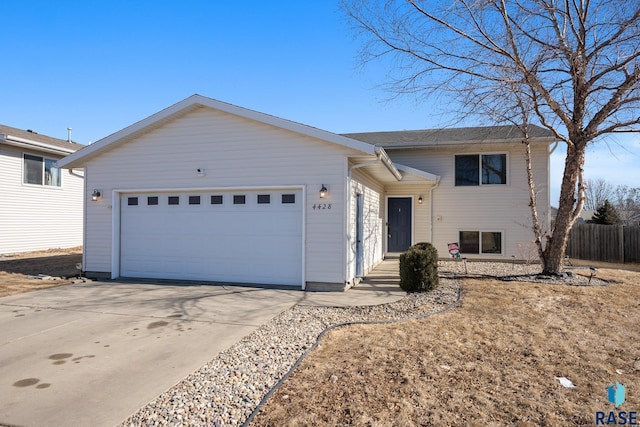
[[38, 170], [480, 242]]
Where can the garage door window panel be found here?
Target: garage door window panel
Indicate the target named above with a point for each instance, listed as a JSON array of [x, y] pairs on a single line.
[[174, 200], [288, 199], [239, 199]]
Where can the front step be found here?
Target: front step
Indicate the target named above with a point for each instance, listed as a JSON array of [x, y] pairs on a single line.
[[393, 255]]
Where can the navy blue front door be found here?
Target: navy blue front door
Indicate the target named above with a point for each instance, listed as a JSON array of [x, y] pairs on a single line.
[[398, 224]]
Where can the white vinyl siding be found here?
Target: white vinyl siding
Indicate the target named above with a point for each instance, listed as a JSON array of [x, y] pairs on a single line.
[[37, 217], [233, 152], [373, 222], [490, 207]]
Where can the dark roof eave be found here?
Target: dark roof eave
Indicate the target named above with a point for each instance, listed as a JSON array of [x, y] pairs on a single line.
[[457, 144]]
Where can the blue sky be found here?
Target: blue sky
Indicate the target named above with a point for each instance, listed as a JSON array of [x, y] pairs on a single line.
[[100, 66]]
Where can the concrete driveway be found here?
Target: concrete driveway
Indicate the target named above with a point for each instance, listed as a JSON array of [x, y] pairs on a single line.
[[91, 355]]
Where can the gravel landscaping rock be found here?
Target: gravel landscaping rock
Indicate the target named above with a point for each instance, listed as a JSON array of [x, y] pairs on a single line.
[[575, 276], [227, 389]]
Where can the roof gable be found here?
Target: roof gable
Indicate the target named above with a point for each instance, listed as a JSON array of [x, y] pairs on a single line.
[[35, 141], [453, 136], [196, 101]]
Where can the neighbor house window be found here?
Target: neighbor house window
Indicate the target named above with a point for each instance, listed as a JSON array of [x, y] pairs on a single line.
[[480, 242], [480, 169], [40, 171]]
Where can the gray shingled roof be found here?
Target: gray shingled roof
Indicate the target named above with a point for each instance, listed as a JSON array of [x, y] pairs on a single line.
[[36, 137], [434, 137]]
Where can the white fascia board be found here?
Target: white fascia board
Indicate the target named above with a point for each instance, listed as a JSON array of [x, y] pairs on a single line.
[[196, 100], [417, 172], [386, 160], [34, 145]]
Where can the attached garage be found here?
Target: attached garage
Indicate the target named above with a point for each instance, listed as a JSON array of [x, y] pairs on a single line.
[[239, 235], [211, 192]]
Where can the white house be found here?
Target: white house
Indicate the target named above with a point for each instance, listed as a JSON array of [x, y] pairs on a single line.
[[40, 204], [205, 190]]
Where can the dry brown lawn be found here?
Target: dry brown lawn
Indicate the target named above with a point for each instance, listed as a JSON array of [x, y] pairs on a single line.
[[58, 263], [492, 361]]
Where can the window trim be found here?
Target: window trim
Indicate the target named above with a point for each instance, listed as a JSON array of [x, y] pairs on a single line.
[[480, 154], [480, 232], [44, 159]]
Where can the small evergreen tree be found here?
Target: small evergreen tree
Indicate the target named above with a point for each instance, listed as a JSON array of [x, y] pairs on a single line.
[[605, 214], [419, 268]]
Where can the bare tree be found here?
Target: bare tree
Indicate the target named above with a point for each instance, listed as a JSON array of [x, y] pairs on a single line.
[[574, 63], [627, 203], [597, 191]]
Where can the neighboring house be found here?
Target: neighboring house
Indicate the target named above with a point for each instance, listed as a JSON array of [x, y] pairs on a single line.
[[205, 190], [40, 204]]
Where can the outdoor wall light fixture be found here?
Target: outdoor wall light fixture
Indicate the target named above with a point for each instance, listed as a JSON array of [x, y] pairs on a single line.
[[96, 195], [323, 191], [419, 200]]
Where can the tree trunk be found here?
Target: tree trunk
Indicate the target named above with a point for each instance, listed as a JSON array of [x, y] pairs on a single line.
[[568, 210]]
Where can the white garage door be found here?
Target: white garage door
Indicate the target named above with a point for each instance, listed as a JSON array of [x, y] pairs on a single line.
[[239, 236]]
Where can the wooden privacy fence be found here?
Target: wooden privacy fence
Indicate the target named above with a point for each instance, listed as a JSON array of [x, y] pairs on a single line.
[[608, 243]]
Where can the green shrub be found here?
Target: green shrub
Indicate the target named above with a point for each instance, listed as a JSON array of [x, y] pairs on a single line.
[[419, 268]]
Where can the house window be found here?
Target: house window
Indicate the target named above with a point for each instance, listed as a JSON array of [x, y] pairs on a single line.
[[239, 200], [194, 200], [480, 242], [216, 200], [288, 198], [40, 171], [480, 169], [264, 199]]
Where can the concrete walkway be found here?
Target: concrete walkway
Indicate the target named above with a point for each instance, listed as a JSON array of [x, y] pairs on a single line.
[[92, 354], [381, 286]]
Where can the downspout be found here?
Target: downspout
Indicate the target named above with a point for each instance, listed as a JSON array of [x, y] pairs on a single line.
[[431, 208]]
